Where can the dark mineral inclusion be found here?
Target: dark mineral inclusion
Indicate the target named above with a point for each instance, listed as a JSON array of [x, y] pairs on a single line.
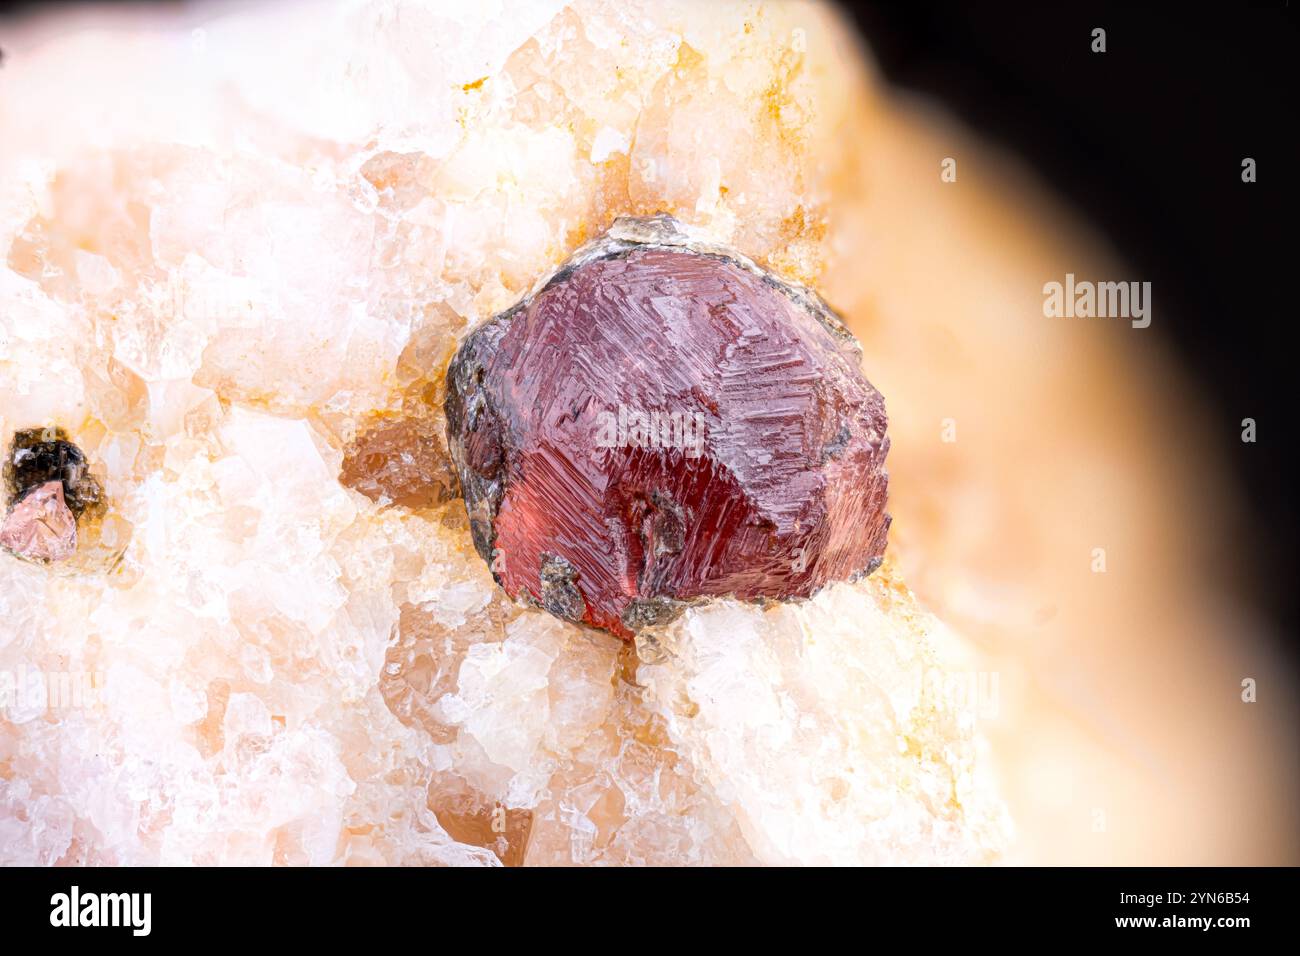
[[664, 421], [39, 455], [49, 487]]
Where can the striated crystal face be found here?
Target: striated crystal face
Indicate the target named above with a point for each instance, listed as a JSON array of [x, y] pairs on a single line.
[[664, 421]]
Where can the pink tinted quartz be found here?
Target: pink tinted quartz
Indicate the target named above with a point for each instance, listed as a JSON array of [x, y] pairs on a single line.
[[40, 526]]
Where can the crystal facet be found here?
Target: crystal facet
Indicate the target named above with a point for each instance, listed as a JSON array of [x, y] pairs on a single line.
[[40, 526], [665, 421], [401, 463]]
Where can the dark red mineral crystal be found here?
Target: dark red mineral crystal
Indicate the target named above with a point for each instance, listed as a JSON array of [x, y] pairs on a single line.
[[664, 421]]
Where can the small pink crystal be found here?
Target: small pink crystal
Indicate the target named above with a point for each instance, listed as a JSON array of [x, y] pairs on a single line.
[[40, 526]]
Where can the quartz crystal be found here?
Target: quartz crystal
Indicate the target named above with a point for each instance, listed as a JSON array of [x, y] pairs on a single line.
[[664, 421], [402, 462]]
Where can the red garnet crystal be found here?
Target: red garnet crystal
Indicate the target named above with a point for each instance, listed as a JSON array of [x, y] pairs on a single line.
[[664, 421]]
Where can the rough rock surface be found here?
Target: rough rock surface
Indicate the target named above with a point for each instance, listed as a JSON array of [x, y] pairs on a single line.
[[233, 244]]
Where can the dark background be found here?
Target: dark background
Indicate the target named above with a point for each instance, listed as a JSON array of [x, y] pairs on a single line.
[[1147, 140]]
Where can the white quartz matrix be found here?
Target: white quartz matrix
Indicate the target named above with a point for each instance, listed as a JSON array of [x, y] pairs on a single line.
[[236, 240]]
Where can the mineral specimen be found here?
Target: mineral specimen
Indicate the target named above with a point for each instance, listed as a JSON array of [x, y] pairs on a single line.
[[49, 487], [664, 421], [231, 262], [37, 456]]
